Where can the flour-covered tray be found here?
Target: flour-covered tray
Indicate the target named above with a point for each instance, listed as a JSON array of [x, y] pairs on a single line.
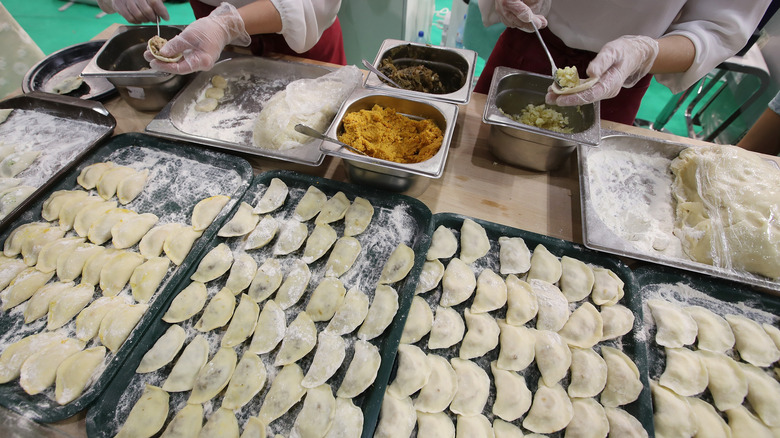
[[42, 137], [500, 328], [396, 221], [128, 276], [251, 81], [628, 208]]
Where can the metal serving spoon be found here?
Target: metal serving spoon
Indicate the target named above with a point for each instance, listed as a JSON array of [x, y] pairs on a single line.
[[311, 132], [549, 56], [158, 25], [369, 66]]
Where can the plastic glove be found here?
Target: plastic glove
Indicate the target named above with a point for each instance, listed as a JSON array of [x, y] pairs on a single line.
[[620, 63], [202, 42], [519, 13], [136, 11]]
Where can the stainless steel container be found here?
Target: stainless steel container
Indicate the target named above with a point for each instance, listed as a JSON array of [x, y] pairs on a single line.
[[408, 179], [527, 146], [454, 66], [122, 63]]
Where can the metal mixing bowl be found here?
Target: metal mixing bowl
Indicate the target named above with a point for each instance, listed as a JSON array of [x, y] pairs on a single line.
[[528, 146]]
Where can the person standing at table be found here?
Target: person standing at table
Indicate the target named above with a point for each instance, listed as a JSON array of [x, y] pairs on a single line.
[[306, 28], [764, 135], [623, 42]]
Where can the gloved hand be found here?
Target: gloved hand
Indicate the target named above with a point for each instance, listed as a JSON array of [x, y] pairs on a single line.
[[520, 13], [136, 11], [202, 42], [620, 63]]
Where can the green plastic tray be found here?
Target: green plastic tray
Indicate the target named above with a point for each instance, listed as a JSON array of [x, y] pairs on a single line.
[[629, 343], [397, 218], [172, 164]]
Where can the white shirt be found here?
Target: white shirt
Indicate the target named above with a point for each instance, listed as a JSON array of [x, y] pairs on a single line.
[[717, 28]]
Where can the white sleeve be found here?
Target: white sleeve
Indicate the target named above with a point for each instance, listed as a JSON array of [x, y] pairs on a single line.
[[490, 15], [303, 21], [718, 30]]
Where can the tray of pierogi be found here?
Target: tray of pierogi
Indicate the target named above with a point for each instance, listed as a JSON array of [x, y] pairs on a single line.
[[287, 325], [88, 265], [42, 135], [709, 209], [251, 105], [712, 350], [513, 333]]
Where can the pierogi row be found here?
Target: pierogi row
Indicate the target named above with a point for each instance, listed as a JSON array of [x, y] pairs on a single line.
[[525, 311]]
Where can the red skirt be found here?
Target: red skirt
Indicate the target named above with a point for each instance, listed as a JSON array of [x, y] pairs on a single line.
[[330, 47], [522, 50]]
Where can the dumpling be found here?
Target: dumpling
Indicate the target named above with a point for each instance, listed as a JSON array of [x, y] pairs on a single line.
[[75, 372], [269, 330], [50, 210], [617, 320], [186, 423], [148, 415], [39, 371], [672, 415], [13, 243], [588, 419], [147, 277], [553, 356], [90, 214], [163, 351], [623, 424], [298, 341], [151, 245], [243, 323], [584, 328], [285, 391], [67, 304], [521, 303], [178, 243], [242, 222], [397, 265], [331, 350], [32, 246], [358, 216], [513, 255], [10, 269], [50, 253], [88, 320], [674, 326], [187, 303], [273, 197], [491, 292], [214, 376], [623, 384], [576, 279], [502, 429], [380, 313], [13, 197], [752, 341], [588, 373], [476, 426], [437, 425], [247, 380], [513, 398], [441, 387], [708, 421], [418, 322], [294, 284], [23, 286], [39, 303], [474, 242], [607, 287], [348, 421], [473, 387], [71, 209], [17, 353], [130, 230], [241, 273], [264, 232], [396, 418], [447, 329], [727, 382], [325, 299], [744, 424], [222, 422], [458, 283], [71, 264], [481, 336], [551, 410], [317, 414], [185, 371], [544, 266], [362, 370], [685, 373], [109, 180], [215, 263], [443, 244], [553, 309], [763, 394], [118, 270], [90, 175], [334, 209], [17, 162], [773, 333], [345, 252], [117, 324], [319, 242], [310, 204], [430, 276], [267, 279], [93, 265], [131, 186], [217, 312], [206, 210], [292, 234], [413, 371], [350, 314], [517, 347]]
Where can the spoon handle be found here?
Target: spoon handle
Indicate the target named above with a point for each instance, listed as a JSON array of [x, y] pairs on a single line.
[[311, 132], [158, 26], [376, 71], [544, 46]]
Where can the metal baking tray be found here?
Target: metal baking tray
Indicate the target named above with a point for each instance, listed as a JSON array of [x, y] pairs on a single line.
[[66, 63], [251, 81], [632, 343], [64, 128], [643, 186], [180, 176], [461, 61], [397, 219]]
